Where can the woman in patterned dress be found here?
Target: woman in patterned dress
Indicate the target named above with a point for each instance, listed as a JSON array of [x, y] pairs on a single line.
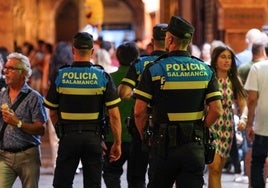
[[223, 62]]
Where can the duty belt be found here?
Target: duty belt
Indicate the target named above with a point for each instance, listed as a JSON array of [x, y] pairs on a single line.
[[80, 128]]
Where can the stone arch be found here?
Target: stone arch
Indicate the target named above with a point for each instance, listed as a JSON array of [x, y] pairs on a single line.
[[66, 21]]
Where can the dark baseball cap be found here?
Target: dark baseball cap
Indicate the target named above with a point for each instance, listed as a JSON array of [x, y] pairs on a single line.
[[83, 40], [180, 28], [159, 32]]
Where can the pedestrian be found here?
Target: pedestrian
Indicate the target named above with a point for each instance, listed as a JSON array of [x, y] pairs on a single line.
[[224, 64], [77, 101], [112, 171], [256, 130], [22, 122], [138, 157], [245, 56], [259, 54], [177, 87]]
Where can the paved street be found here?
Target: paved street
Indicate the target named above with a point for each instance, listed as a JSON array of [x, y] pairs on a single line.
[[47, 177]]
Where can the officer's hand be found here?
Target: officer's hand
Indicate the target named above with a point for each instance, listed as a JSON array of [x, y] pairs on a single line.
[[115, 152]]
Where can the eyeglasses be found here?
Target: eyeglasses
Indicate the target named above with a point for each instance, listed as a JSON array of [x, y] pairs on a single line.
[[10, 68]]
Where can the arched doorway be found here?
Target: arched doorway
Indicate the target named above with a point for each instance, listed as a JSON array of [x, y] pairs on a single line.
[[66, 21]]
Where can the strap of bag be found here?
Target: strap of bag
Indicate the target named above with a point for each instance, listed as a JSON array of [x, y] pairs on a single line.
[[13, 107]]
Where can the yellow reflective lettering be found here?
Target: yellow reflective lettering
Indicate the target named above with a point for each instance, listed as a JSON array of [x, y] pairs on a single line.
[[168, 66]]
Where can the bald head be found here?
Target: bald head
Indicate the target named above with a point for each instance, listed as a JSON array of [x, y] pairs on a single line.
[[252, 35]]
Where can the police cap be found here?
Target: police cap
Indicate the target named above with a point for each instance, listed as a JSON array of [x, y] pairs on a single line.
[[83, 40], [159, 32], [180, 28]]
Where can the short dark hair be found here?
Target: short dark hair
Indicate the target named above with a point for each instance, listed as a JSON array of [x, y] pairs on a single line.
[[127, 52]]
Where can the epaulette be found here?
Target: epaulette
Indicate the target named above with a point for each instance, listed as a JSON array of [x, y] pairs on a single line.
[[160, 57], [135, 61], [197, 58], [98, 66], [64, 66]]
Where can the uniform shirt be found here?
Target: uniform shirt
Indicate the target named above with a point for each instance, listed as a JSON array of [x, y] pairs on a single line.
[[81, 92], [133, 75], [30, 110], [257, 81], [177, 87]]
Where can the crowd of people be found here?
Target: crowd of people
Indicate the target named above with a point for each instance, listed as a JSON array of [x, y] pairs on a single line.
[[104, 106]]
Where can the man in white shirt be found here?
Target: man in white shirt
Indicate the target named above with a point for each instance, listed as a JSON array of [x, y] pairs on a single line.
[[257, 130]]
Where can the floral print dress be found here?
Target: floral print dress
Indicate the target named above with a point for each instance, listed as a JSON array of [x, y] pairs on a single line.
[[224, 127]]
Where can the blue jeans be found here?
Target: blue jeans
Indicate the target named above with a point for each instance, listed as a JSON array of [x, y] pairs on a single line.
[[259, 154], [25, 165]]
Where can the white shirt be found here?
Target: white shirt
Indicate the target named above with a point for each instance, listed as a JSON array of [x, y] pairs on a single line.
[[257, 80]]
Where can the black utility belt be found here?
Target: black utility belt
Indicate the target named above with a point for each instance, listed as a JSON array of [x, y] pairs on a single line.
[[16, 150], [182, 133], [77, 128]]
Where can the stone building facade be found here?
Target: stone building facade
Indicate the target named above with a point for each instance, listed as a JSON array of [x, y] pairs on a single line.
[[54, 20]]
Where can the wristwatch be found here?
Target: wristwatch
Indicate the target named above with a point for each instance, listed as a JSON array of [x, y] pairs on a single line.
[[19, 124]]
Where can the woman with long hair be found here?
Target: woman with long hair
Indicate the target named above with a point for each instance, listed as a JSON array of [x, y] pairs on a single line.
[[223, 62]]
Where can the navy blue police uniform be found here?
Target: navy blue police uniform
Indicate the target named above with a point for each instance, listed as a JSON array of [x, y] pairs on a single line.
[[176, 86], [138, 157], [80, 94]]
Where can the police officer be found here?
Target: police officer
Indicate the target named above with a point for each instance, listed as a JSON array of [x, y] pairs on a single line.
[[77, 100], [138, 157], [126, 53], [177, 86]]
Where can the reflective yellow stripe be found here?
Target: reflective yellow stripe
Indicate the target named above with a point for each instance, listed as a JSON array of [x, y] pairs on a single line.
[[146, 95], [50, 104], [191, 116], [111, 103], [139, 78], [133, 83], [154, 78], [185, 85], [81, 91], [79, 116], [217, 93]]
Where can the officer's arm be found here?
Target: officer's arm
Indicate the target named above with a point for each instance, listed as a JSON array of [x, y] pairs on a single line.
[[140, 111], [213, 113], [53, 116], [115, 122], [124, 91]]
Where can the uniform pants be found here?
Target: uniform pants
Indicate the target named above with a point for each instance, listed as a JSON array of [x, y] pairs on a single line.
[[137, 165], [73, 147], [113, 171], [183, 164], [137, 162], [25, 165], [259, 154]]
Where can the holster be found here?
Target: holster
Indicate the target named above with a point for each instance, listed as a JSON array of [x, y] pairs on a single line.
[[163, 140], [147, 135], [131, 126], [59, 130], [208, 145]]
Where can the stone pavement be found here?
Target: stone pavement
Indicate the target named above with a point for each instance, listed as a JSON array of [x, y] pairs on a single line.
[[47, 178]]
